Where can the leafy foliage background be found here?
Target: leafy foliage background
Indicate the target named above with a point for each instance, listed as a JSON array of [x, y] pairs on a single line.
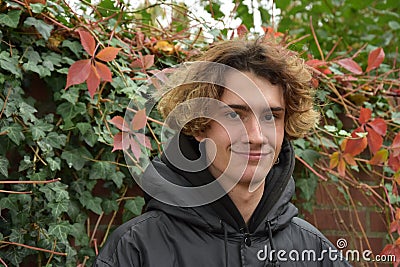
[[62, 174]]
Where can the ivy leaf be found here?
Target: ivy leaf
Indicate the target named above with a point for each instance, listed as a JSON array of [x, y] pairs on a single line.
[[14, 132], [350, 65], [78, 72], [109, 206], [43, 28], [90, 202], [56, 140], [100, 170], [7, 203], [76, 158], [39, 128], [54, 164], [117, 178], [58, 207], [108, 54], [11, 19], [88, 42], [135, 205], [375, 58], [60, 230], [4, 166]]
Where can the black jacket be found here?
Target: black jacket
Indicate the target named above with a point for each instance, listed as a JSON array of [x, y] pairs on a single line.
[[216, 234]]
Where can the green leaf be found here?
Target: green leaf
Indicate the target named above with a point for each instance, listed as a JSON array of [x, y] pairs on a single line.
[[109, 206], [56, 140], [37, 8], [75, 47], [69, 111], [11, 19], [76, 158], [43, 28], [39, 128], [118, 178], [54, 164], [396, 117], [307, 187], [27, 112], [6, 203], [14, 132], [135, 205], [101, 170], [10, 63], [90, 202], [4, 166], [60, 230], [58, 207], [78, 231]]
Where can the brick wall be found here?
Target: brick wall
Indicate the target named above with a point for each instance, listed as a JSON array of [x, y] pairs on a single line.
[[361, 220]]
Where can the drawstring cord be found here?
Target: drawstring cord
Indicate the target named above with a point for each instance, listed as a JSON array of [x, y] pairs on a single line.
[[274, 261], [225, 242]]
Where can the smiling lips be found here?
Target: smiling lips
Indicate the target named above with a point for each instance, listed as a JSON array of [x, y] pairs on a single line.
[[252, 155]]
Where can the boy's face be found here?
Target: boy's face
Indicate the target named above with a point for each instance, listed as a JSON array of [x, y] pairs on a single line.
[[244, 138]]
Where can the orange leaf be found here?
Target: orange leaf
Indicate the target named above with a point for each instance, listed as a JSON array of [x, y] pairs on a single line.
[[93, 81], [334, 160], [379, 125], [140, 119], [108, 54], [120, 123], [350, 65], [104, 72], [357, 145], [342, 167], [78, 72], [87, 42], [165, 46], [365, 115], [379, 157], [350, 159], [375, 58]]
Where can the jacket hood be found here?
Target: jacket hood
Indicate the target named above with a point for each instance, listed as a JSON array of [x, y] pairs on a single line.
[[160, 194]]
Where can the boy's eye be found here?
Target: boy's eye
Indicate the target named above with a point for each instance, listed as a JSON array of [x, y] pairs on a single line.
[[269, 117], [232, 115]]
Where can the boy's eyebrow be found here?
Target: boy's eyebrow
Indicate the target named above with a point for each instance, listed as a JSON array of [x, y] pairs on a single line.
[[246, 108]]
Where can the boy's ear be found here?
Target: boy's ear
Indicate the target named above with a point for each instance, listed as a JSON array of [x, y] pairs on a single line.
[[200, 136]]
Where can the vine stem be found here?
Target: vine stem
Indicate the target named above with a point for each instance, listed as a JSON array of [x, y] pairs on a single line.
[[31, 182], [15, 192], [316, 40], [2, 262], [33, 248], [311, 169]]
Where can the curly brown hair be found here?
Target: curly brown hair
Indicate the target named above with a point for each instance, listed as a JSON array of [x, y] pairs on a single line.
[[273, 62]]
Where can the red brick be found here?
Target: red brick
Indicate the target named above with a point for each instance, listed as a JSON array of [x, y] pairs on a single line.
[[340, 220], [360, 197], [377, 222], [328, 192]]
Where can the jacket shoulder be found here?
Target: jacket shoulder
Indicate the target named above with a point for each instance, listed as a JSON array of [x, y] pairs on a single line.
[[307, 227], [125, 236]]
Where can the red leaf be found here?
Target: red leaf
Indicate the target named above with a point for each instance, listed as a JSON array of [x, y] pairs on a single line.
[[394, 162], [143, 140], [242, 30], [375, 141], [103, 71], [394, 227], [365, 115], [140, 119], [121, 141], [379, 125], [379, 157], [357, 145], [350, 65], [93, 81], [396, 145], [87, 42], [375, 58], [136, 149], [120, 123], [319, 65], [350, 159], [108, 54], [143, 62], [78, 72]]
